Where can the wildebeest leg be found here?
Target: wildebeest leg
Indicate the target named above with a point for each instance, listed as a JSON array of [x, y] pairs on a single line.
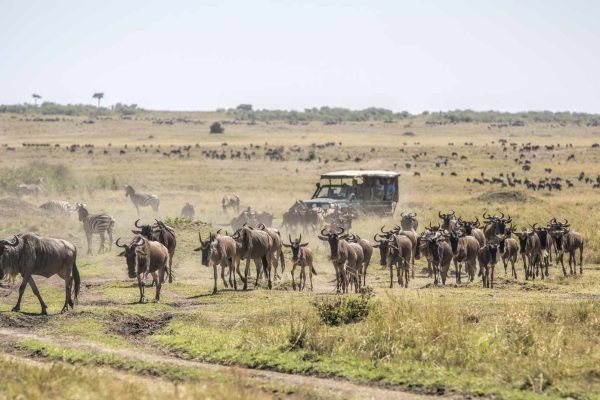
[[102, 240], [505, 265], [159, 282], [39, 296], [266, 263], [222, 275], [293, 281], [247, 270], [110, 238], [457, 270], [572, 261], [68, 282], [215, 276], [413, 262], [580, 260], [492, 281], [400, 272], [141, 286], [22, 287], [310, 275], [406, 270], [514, 270], [525, 266], [364, 274], [302, 277]]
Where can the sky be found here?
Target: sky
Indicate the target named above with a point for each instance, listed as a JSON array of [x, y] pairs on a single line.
[[432, 55]]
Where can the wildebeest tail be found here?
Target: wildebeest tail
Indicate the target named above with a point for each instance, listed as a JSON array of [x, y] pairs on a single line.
[[265, 264], [76, 281], [314, 271]]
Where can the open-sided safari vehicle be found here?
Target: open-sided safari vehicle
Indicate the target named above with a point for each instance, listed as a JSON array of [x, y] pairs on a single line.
[[364, 191]]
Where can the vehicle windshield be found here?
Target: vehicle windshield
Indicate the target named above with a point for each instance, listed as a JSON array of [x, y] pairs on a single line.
[[367, 188]]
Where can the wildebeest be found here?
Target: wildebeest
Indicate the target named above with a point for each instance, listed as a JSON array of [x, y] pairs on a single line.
[[449, 220], [495, 225], [367, 253], [347, 258], [188, 211], [409, 221], [302, 256], [145, 256], [277, 248], [487, 262], [472, 228], [29, 254], [96, 223], [531, 252], [256, 245], [57, 207], [162, 233], [569, 241], [142, 200], [220, 250], [509, 249], [400, 253], [465, 250], [231, 201]]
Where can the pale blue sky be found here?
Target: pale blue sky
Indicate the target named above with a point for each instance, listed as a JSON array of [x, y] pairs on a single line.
[[403, 55]]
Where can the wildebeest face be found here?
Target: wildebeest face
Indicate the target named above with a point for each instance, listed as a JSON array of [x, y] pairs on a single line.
[[501, 242], [131, 253], [522, 240], [206, 248]]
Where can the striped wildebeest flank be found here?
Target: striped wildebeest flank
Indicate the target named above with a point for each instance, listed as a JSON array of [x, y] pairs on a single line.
[[347, 258], [58, 207], [96, 223], [162, 233], [221, 250], [29, 254], [142, 200], [188, 211], [413, 239], [465, 249], [398, 252], [409, 221], [495, 225], [231, 201], [145, 256], [302, 256], [256, 245]]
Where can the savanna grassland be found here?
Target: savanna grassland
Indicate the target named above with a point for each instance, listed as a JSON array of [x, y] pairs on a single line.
[[522, 339]]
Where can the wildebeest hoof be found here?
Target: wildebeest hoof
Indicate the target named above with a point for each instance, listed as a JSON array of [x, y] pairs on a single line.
[[44, 312], [64, 309], [16, 309], [214, 291], [143, 300]]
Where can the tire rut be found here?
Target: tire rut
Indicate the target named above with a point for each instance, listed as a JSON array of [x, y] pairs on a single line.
[[338, 387]]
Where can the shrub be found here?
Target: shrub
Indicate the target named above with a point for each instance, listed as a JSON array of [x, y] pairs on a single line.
[[344, 309], [216, 127]]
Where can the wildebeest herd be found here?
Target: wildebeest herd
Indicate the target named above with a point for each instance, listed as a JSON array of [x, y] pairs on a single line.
[[463, 243]]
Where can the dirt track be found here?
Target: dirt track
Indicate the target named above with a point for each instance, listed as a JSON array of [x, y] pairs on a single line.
[[333, 387]]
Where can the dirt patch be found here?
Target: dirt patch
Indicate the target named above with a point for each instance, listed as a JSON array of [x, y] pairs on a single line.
[[16, 320], [138, 326], [503, 197]]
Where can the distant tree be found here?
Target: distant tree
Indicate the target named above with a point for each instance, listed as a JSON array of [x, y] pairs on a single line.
[[98, 96], [245, 107], [36, 97], [216, 127]]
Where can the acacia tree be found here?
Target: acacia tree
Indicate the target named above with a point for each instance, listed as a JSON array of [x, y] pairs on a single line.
[[98, 96], [36, 97]]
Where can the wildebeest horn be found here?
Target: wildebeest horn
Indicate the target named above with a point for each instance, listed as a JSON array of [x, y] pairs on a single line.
[[439, 215], [341, 231], [566, 222], [452, 212], [300, 240], [219, 230], [13, 242], [136, 223], [290, 237], [402, 214], [200, 238], [382, 231], [502, 215], [120, 245], [413, 214], [323, 232], [533, 226], [486, 215]]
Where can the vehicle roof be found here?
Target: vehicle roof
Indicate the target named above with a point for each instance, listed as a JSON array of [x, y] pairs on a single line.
[[360, 173]]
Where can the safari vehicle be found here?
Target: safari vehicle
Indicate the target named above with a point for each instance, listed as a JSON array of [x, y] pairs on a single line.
[[363, 191]]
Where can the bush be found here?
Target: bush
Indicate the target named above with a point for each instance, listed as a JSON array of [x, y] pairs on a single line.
[[344, 310], [177, 222], [217, 128]]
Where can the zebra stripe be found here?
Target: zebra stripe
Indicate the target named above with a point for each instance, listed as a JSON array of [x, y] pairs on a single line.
[[98, 223], [57, 206]]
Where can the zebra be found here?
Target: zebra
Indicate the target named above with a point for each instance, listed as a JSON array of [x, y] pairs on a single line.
[[57, 207], [96, 223], [142, 200]]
